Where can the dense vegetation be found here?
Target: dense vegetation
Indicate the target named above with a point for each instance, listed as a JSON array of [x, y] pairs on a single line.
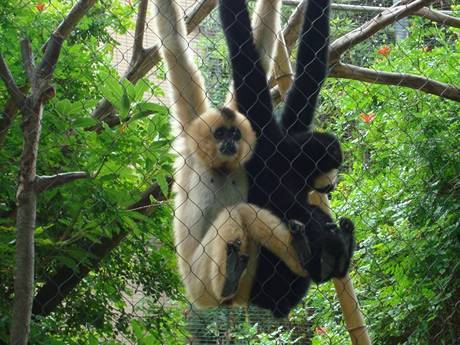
[[400, 185]]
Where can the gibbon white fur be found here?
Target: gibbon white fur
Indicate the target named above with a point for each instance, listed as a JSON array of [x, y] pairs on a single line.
[[216, 232]]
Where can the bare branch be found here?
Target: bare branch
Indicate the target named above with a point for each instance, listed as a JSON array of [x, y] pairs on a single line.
[[10, 84], [292, 30], [46, 182], [199, 13], [439, 17], [46, 67], [73, 18], [27, 58], [140, 30], [399, 79], [387, 17]]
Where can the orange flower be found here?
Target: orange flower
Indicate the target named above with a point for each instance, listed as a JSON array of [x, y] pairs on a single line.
[[385, 51], [367, 118], [40, 7], [320, 330]]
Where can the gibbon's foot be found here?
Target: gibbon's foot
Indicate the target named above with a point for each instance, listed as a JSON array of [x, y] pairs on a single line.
[[300, 242], [236, 264], [333, 249]]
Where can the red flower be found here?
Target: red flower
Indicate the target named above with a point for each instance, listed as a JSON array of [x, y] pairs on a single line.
[[367, 118], [320, 330], [385, 51], [40, 7]]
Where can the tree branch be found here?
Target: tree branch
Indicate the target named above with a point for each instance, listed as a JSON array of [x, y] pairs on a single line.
[[46, 182], [416, 82], [27, 58], [387, 17], [9, 113], [439, 17], [48, 63], [10, 84], [61, 284], [73, 18], [138, 45]]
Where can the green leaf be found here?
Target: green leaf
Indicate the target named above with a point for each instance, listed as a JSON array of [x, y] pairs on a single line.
[[163, 183], [140, 88], [92, 340], [85, 122], [125, 104]]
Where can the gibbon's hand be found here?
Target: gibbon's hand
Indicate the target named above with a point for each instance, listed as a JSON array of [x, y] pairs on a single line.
[[332, 249]]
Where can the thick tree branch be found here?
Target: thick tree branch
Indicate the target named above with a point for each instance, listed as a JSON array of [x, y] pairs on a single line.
[[43, 183], [439, 17], [66, 279], [48, 63], [138, 45], [104, 111], [387, 17], [10, 83], [399, 79]]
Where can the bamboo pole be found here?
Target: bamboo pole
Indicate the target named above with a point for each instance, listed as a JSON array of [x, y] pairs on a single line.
[[352, 314]]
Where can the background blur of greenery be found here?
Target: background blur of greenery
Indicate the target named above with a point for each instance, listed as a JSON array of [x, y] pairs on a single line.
[[400, 185]]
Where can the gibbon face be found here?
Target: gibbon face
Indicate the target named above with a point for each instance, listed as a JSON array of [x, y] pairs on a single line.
[[320, 154], [222, 138]]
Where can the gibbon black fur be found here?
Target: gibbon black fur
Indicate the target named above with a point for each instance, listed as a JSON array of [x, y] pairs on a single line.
[[288, 157]]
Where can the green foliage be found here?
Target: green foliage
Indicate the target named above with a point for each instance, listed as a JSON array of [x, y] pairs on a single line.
[[401, 187], [123, 162]]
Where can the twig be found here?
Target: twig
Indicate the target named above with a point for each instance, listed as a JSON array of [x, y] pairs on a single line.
[[387, 17], [44, 183], [433, 87], [10, 84]]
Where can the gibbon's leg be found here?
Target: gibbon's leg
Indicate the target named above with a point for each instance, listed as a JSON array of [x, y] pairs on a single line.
[[189, 95], [266, 23], [300, 242], [236, 264], [269, 231]]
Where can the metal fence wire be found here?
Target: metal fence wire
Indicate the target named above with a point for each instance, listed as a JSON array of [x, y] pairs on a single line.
[[93, 138]]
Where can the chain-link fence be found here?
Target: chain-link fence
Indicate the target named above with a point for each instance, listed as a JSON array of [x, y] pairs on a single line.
[[88, 126]]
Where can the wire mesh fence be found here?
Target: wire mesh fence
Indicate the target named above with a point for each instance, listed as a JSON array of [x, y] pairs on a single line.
[[106, 257]]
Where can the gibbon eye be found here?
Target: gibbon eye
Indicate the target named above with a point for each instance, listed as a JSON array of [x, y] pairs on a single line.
[[235, 133], [219, 133]]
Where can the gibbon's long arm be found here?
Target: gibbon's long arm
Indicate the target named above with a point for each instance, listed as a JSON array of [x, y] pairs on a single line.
[[266, 24], [311, 68], [189, 95], [249, 77]]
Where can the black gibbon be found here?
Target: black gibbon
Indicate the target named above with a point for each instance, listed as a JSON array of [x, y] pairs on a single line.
[[216, 233], [289, 158]]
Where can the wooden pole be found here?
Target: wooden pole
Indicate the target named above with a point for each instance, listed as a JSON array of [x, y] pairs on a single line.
[[352, 314]]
